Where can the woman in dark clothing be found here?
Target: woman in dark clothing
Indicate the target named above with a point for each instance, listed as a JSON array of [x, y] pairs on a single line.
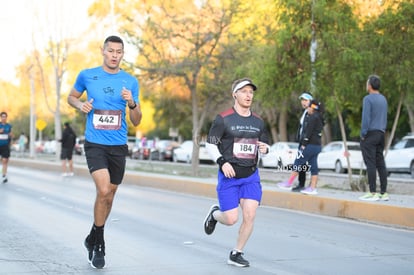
[[310, 147]]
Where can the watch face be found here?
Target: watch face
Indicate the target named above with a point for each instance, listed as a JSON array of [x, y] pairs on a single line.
[[133, 106]]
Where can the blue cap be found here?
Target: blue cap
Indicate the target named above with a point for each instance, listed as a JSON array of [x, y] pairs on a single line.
[[306, 96]]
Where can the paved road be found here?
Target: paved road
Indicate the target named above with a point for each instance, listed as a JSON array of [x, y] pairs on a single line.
[[44, 219]]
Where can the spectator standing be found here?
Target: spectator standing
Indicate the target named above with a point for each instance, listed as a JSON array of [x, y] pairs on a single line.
[[67, 144], [239, 135], [305, 99], [5, 139], [310, 146], [22, 143], [373, 126], [109, 91]]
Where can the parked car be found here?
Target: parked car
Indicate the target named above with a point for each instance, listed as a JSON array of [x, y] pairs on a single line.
[[143, 149], [132, 142], [50, 147], [184, 152], [400, 158], [79, 149], [281, 154], [164, 150], [333, 156]]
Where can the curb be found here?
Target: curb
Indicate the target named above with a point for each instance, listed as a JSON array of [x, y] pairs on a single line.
[[357, 210]]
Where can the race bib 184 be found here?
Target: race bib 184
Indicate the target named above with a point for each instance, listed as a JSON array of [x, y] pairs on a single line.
[[245, 148]]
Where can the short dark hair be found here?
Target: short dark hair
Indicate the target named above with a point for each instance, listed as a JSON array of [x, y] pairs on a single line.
[[374, 81], [3, 114], [115, 39]]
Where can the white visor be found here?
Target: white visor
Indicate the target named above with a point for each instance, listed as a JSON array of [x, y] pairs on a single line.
[[242, 84]]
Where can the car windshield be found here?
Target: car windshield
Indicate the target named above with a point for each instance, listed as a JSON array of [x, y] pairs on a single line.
[[354, 147]]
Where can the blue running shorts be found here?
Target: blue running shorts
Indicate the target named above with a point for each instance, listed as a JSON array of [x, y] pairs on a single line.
[[231, 190]]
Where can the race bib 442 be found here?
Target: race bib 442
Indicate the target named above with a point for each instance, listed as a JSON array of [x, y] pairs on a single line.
[[107, 119]]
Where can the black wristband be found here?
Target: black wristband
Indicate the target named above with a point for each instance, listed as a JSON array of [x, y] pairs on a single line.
[[133, 106], [220, 161]]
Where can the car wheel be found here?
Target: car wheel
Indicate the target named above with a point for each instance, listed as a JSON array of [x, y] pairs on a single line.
[[338, 167], [412, 169]]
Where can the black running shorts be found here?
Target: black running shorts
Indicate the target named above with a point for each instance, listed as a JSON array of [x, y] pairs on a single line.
[[111, 157], [66, 153], [5, 151]]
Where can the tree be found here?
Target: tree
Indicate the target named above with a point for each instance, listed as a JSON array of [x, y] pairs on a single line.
[[178, 43], [394, 44]]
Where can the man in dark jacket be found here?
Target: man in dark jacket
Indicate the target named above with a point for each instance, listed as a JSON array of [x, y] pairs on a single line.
[[68, 142]]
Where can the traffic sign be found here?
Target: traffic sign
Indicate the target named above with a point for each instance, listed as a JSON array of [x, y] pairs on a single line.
[[40, 124]]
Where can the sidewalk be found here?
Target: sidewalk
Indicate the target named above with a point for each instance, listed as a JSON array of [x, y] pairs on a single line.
[[398, 211]]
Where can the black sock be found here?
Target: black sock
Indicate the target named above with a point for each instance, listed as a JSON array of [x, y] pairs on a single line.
[[98, 233]]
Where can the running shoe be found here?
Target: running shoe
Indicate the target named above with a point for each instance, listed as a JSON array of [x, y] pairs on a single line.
[[297, 188], [384, 197], [98, 256], [309, 191], [285, 185], [89, 248], [209, 221], [370, 197], [4, 179], [236, 259]]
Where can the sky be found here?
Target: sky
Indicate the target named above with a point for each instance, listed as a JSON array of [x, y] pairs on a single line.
[[25, 21]]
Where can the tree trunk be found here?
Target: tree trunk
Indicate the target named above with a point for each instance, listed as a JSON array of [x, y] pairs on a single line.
[[410, 112], [394, 126], [343, 135], [283, 120], [271, 117], [196, 131]]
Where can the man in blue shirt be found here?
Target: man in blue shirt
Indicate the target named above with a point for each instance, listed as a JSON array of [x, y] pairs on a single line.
[[109, 91], [5, 138], [374, 124]]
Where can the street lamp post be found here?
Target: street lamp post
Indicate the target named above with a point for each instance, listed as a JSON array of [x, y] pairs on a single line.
[[32, 115]]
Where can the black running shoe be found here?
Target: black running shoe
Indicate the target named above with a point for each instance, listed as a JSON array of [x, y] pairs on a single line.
[[209, 221], [98, 256], [4, 179], [89, 248], [237, 259], [297, 188]]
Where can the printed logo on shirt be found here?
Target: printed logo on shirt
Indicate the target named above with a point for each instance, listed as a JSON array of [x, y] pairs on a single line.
[[109, 90]]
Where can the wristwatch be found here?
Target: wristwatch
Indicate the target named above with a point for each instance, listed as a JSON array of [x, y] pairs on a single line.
[[133, 106]]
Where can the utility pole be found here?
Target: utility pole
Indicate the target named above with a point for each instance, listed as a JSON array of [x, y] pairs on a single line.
[[312, 52], [32, 115]]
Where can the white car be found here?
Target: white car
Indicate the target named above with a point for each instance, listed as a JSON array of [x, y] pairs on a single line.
[[400, 158], [333, 157], [50, 147], [184, 152], [280, 154]]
